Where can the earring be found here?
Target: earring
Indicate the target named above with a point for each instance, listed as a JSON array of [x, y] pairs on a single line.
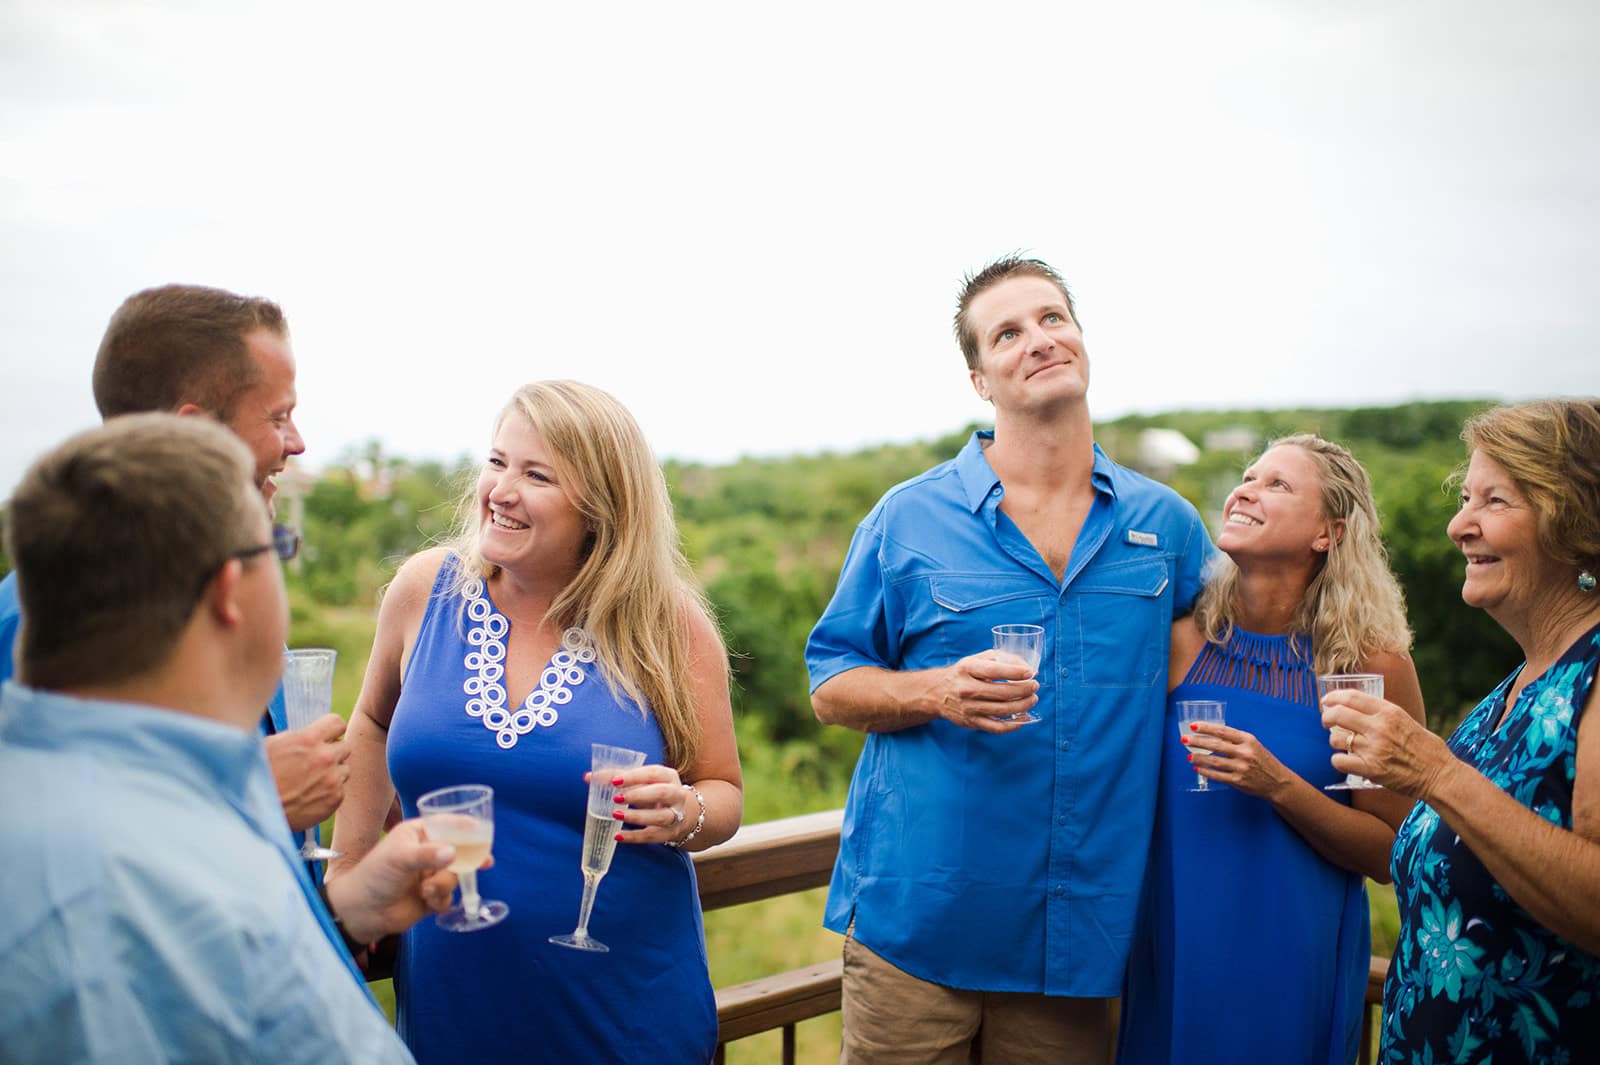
[[1586, 581]]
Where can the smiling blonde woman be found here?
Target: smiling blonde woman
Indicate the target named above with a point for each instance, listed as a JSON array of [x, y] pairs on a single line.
[[561, 615]]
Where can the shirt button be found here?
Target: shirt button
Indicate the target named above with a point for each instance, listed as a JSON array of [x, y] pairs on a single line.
[[1065, 744], [1058, 891], [1061, 820]]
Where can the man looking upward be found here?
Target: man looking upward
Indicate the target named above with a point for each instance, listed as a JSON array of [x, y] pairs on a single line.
[[989, 870]]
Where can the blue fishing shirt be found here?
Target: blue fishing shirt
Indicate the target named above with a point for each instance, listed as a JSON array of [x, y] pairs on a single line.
[[1009, 862], [10, 618]]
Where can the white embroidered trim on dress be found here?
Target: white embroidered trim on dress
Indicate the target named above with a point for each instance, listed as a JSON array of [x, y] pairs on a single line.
[[487, 696]]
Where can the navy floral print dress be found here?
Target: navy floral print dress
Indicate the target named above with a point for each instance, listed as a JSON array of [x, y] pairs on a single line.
[[1474, 977]]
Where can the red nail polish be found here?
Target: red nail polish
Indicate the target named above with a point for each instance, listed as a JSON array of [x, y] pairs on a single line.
[[1183, 739], [618, 798], [619, 837], [1190, 757], [617, 814], [1193, 727], [617, 783]]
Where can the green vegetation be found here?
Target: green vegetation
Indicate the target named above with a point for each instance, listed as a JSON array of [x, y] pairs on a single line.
[[767, 537]]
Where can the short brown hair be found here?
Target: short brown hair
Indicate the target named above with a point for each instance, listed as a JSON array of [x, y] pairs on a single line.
[[180, 344], [1551, 448], [1003, 269], [113, 534]]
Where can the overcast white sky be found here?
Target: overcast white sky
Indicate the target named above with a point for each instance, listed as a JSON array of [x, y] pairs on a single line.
[[749, 220]]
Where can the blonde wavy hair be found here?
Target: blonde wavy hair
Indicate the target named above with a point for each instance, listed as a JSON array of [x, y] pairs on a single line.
[[1353, 607], [634, 594]]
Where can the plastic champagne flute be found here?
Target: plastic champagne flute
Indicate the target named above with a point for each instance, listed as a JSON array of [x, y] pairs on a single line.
[[599, 837], [463, 816], [1198, 710], [307, 697], [1370, 684], [1027, 643]]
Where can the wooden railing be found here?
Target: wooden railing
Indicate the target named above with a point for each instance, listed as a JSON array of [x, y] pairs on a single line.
[[780, 857], [762, 862]]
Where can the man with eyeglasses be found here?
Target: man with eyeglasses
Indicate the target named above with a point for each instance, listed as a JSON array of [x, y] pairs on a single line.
[[192, 350], [155, 909]]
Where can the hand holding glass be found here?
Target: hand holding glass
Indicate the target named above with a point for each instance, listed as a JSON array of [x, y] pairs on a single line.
[[1195, 710], [599, 836], [1367, 683], [463, 817], [307, 698], [1027, 643]]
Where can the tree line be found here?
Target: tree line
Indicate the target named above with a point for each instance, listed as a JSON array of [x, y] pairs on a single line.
[[767, 536]]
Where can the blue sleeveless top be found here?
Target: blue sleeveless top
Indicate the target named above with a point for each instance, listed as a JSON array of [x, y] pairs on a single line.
[[505, 994], [1474, 976], [1246, 930]]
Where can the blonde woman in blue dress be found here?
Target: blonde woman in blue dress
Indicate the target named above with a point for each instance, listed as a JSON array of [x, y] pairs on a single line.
[[1255, 942], [565, 585]]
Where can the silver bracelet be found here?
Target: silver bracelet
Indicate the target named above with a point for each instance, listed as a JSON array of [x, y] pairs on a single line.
[[699, 823]]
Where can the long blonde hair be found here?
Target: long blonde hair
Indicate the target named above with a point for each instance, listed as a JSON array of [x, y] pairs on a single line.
[[1353, 607], [634, 594]]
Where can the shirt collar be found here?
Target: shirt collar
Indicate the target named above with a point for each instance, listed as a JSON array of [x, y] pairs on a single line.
[[979, 481]]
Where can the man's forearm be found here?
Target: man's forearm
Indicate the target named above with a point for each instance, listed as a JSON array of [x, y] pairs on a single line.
[[870, 699]]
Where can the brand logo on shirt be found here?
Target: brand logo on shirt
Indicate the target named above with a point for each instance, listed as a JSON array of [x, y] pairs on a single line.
[[1143, 539]]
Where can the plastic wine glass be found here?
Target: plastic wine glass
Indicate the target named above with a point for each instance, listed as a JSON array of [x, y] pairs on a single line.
[[599, 837], [307, 697], [463, 816], [1027, 643], [1370, 684], [1199, 710]]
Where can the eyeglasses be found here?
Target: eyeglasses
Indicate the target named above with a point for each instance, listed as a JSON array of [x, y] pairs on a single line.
[[285, 544]]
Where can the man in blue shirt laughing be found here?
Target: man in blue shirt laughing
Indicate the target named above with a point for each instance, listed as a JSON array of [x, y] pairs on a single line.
[[989, 870]]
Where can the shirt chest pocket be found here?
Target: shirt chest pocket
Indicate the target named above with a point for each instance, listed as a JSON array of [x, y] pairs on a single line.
[[964, 607], [1124, 624]]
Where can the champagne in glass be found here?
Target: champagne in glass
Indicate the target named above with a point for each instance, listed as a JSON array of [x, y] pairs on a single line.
[[1370, 684], [1027, 643], [308, 697], [599, 836], [463, 817], [1198, 710]]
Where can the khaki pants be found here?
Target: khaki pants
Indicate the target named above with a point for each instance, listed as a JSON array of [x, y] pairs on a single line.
[[893, 1018]]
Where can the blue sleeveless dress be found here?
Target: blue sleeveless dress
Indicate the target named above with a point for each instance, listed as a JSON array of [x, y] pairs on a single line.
[[1474, 976], [1252, 948], [505, 994]]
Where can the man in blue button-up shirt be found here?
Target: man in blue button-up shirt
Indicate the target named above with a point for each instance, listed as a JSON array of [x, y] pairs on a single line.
[[155, 909], [989, 870], [193, 350]]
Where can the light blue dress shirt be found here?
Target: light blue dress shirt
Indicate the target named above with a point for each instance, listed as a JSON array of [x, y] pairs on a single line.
[[1009, 862], [151, 906], [11, 617]]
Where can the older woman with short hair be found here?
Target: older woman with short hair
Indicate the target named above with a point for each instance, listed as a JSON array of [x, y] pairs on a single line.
[[1497, 868]]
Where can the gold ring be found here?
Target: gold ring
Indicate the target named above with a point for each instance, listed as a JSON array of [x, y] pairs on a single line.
[[1350, 748]]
